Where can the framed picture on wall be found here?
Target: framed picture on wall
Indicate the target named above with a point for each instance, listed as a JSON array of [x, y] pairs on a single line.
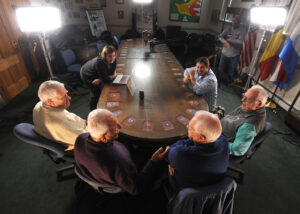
[[119, 1], [120, 14], [97, 21], [185, 10]]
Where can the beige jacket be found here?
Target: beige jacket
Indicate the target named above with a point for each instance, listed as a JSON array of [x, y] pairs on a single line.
[[58, 124]]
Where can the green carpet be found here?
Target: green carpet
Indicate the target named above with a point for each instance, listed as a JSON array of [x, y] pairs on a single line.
[[28, 178]]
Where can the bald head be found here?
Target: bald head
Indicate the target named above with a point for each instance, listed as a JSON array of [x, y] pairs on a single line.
[[204, 127], [254, 98], [260, 94]]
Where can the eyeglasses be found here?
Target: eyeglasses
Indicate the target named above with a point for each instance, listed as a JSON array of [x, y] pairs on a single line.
[[246, 99]]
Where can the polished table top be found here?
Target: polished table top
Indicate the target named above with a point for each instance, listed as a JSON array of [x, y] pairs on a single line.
[[168, 104]]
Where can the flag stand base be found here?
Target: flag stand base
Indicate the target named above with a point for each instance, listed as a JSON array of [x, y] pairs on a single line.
[[270, 104]]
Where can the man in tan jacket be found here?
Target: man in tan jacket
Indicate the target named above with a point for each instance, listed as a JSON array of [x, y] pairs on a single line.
[[52, 120]]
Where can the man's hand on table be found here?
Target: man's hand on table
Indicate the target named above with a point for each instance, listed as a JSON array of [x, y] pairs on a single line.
[[160, 154], [186, 79]]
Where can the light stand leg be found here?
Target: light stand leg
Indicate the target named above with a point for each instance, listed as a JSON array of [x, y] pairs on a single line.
[[252, 68], [46, 55]]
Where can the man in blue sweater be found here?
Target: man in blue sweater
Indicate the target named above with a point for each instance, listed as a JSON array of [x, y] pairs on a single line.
[[203, 158], [101, 158]]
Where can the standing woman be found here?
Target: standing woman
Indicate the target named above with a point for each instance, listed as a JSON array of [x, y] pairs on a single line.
[[97, 71]]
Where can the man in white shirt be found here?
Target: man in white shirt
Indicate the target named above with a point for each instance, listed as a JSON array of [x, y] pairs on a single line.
[[52, 120]]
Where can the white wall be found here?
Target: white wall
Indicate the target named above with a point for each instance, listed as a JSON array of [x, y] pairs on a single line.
[[72, 11], [163, 9], [118, 26]]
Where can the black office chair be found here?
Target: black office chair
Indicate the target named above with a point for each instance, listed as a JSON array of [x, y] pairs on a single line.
[[258, 140], [55, 151], [95, 185], [212, 199]]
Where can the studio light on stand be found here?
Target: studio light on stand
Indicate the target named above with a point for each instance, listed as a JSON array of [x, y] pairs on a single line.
[[268, 18], [39, 20]]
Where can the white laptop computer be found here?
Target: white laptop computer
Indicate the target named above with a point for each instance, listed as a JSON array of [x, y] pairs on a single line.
[[121, 79]]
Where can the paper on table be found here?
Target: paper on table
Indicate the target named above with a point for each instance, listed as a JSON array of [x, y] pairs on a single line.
[[131, 86]]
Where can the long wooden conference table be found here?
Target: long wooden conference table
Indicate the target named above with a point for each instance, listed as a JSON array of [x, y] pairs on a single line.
[[168, 104]]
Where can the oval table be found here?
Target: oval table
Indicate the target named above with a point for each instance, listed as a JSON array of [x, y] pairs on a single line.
[[168, 105]]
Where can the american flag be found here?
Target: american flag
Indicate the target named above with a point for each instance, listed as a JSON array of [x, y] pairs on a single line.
[[248, 47]]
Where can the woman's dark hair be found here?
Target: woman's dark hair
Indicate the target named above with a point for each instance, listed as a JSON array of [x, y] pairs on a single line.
[[109, 49]]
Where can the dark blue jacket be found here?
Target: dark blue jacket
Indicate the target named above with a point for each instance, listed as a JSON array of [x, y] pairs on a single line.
[[197, 164]]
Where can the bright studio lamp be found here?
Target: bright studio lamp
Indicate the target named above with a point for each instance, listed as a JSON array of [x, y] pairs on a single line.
[[39, 20], [269, 16], [266, 17]]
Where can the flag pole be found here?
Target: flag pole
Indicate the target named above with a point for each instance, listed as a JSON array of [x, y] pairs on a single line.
[[294, 101], [270, 103], [252, 68]]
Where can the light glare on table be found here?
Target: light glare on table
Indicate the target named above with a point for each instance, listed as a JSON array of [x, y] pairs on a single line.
[[141, 70]]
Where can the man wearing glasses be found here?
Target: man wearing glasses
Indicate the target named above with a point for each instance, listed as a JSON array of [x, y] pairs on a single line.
[[245, 122]]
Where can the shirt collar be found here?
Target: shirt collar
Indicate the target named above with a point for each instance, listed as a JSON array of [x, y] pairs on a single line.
[[255, 112], [52, 108]]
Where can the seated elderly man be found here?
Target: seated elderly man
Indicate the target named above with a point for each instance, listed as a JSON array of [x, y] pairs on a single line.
[[202, 81], [203, 158], [52, 120], [103, 159], [245, 122]]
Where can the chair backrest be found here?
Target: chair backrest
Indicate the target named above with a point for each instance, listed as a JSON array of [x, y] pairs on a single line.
[[100, 45], [257, 141], [117, 40], [96, 185], [213, 199], [172, 31], [68, 56], [26, 133]]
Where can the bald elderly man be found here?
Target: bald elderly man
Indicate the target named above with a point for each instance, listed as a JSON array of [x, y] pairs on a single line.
[[102, 158], [245, 122], [202, 159], [52, 120]]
